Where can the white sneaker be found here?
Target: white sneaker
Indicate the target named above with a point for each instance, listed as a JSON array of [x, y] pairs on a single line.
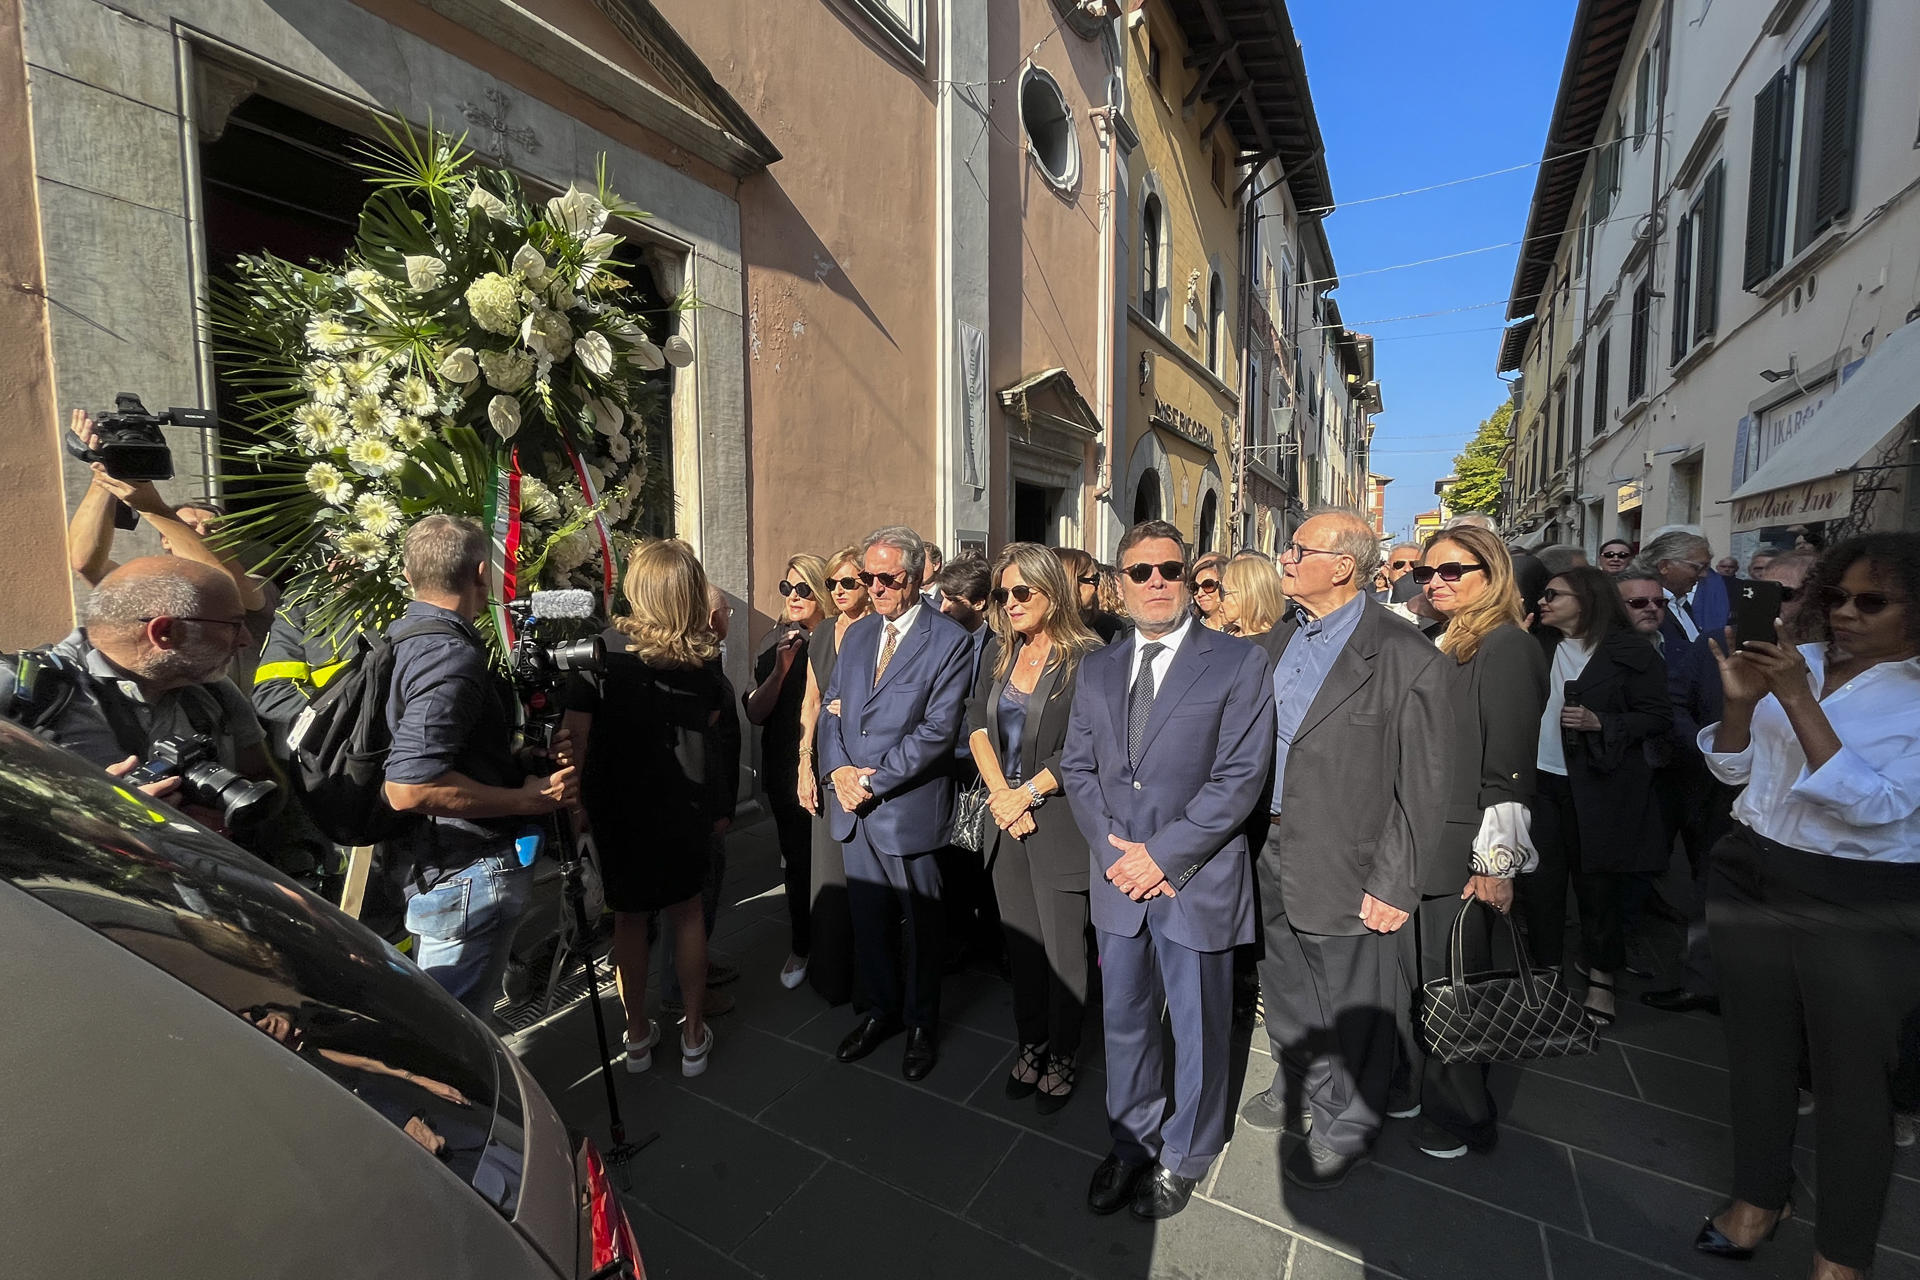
[[793, 972], [693, 1058], [640, 1056]]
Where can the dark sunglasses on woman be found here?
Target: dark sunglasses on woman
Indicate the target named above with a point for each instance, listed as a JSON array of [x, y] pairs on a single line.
[[1207, 584], [1451, 571], [1170, 571], [800, 589], [1616, 555], [1022, 593], [1549, 594], [1867, 602], [891, 581], [844, 584], [1088, 580]]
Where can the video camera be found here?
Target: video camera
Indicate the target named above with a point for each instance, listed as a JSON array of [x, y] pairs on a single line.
[[538, 662], [204, 780], [131, 446]]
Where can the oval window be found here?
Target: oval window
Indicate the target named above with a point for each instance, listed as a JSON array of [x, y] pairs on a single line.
[[1049, 126]]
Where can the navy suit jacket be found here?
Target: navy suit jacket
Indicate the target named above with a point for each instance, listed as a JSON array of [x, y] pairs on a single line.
[[1203, 767], [905, 729]]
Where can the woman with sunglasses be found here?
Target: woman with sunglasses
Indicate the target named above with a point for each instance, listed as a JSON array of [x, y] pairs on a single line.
[[1086, 579], [1813, 900], [1595, 819], [1252, 598], [1615, 554], [830, 957], [1497, 683], [1036, 853], [774, 703], [1205, 578]]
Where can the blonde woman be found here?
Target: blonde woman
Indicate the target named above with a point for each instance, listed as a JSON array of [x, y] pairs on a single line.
[[1497, 683], [1038, 857], [654, 786], [774, 703], [1251, 597], [830, 957]]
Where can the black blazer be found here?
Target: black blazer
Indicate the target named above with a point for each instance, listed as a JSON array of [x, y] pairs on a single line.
[[1364, 797], [1056, 847], [1498, 696], [1610, 770]]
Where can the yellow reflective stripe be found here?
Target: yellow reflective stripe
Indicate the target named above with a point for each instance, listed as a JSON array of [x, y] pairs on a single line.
[[323, 674], [281, 671]]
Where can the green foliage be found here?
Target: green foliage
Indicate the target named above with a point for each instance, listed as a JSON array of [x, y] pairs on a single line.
[[1478, 467]]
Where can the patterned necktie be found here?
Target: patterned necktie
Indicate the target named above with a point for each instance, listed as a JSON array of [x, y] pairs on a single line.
[[886, 654], [1140, 702]]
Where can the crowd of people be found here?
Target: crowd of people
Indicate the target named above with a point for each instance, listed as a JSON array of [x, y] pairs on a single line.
[[1141, 778]]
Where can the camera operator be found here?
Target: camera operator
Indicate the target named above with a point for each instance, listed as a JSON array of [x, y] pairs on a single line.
[[148, 670], [452, 761]]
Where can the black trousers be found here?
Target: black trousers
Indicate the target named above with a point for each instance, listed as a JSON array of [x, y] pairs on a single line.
[[1699, 808], [1818, 956], [1543, 891], [1453, 1095], [794, 828], [1046, 934]]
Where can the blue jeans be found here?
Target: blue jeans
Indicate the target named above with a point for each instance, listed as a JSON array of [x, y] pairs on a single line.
[[463, 928]]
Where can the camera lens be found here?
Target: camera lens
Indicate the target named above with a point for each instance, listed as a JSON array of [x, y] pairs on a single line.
[[240, 800], [580, 655]]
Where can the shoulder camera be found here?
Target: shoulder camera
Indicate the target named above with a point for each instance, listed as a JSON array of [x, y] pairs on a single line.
[[131, 446]]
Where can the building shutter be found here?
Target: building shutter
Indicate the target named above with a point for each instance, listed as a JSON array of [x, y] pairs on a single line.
[[1602, 372], [1708, 216], [1763, 180], [1637, 343], [1840, 122], [1682, 285]]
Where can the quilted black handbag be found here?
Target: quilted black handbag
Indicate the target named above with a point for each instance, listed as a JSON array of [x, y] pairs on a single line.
[[1503, 1016], [972, 821]]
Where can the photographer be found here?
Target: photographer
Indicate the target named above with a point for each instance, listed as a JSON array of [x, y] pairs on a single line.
[[452, 762], [147, 670]]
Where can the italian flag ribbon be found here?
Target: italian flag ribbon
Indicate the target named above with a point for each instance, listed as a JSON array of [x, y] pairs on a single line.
[[599, 525], [503, 528]]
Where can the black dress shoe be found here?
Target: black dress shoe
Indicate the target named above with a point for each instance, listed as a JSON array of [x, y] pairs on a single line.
[[1113, 1184], [1680, 1000], [865, 1038], [1318, 1168], [1161, 1194], [922, 1052], [1718, 1243]]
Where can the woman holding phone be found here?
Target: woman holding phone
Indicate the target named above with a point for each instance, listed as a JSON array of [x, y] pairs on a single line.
[[1594, 816]]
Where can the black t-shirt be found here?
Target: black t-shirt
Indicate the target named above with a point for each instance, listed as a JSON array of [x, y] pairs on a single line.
[[653, 756]]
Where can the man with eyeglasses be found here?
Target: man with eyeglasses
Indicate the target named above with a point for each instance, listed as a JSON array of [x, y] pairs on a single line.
[[1167, 749], [1356, 802], [150, 663], [901, 682], [1697, 597]]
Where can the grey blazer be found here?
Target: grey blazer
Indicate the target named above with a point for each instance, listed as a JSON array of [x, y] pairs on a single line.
[[1364, 800], [1056, 847]]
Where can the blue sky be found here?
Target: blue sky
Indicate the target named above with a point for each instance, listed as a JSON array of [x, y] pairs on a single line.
[[1411, 93]]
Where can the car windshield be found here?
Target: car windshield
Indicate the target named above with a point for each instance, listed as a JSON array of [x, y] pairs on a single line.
[[231, 928]]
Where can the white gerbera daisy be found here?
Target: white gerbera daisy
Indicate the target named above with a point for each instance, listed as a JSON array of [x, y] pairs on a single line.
[[367, 375], [377, 513], [330, 483], [320, 428], [374, 456], [363, 280], [326, 382], [415, 396], [369, 415], [363, 547], [410, 433], [329, 335]]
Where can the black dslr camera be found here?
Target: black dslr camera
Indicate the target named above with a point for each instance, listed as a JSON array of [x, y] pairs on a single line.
[[131, 446], [205, 781]]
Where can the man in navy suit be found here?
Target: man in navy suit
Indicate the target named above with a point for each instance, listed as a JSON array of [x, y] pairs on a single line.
[[1167, 753], [901, 684]]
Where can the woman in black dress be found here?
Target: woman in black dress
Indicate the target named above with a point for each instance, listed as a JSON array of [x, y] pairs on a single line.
[[653, 785], [1038, 857], [1083, 575], [830, 962], [774, 703]]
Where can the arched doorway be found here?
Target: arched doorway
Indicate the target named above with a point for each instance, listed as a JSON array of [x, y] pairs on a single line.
[[1146, 498], [1209, 522]]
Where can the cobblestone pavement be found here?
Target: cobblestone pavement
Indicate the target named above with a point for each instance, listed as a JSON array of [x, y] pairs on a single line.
[[782, 1163]]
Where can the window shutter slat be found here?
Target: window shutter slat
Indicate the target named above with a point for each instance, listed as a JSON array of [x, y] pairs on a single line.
[[1760, 182], [1601, 373], [1839, 125], [1706, 289], [1682, 282]]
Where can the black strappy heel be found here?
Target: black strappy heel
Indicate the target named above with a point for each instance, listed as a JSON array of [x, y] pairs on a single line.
[[1033, 1058], [1068, 1073]]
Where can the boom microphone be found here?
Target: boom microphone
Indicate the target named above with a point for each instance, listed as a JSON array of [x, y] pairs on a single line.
[[572, 603]]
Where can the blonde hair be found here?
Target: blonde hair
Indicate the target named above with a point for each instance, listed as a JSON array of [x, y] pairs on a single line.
[[847, 555], [1495, 607], [1111, 598], [1066, 633], [1255, 584], [812, 570], [668, 621]]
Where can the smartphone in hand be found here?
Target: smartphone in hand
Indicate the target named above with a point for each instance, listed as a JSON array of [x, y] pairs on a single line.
[[1755, 606]]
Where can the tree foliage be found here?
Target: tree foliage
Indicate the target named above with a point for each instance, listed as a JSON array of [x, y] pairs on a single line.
[[1478, 467]]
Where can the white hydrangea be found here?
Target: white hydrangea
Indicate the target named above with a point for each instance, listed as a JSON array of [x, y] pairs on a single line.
[[377, 513], [569, 553], [329, 335], [494, 301], [320, 428], [415, 395], [374, 456], [326, 383], [330, 483], [507, 370], [547, 333]]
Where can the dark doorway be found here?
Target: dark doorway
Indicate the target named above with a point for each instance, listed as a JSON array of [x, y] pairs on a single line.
[[1146, 499], [1033, 513], [1209, 519]]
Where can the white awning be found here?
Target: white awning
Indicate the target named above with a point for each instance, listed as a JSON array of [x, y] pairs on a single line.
[[1810, 476]]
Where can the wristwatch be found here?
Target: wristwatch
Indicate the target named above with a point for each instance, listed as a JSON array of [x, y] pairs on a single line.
[[1038, 799]]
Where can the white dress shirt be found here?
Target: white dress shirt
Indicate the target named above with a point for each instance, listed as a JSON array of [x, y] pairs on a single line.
[[1681, 607], [1865, 801], [901, 625], [1570, 658], [1162, 660]]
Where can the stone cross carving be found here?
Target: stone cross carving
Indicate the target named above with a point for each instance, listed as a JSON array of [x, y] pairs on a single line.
[[505, 136]]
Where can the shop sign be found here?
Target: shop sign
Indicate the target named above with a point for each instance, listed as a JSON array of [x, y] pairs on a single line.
[[1182, 424], [1627, 497], [1824, 499]]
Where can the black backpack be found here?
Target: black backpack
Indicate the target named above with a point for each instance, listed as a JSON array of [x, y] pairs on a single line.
[[339, 744]]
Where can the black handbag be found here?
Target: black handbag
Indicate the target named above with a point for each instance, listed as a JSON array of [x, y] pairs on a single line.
[[1503, 1016], [972, 820]]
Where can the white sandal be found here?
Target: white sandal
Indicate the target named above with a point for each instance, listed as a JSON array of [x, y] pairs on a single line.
[[693, 1058], [793, 972], [640, 1056]]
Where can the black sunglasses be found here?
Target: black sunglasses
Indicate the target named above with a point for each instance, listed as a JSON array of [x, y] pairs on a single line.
[[1170, 571], [1867, 602], [1022, 593], [800, 589], [1616, 555], [891, 581], [1090, 580], [1207, 584], [845, 584], [1632, 602], [1405, 564], [1451, 571]]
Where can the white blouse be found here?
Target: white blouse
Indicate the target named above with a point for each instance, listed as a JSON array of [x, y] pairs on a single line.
[[1570, 658], [1862, 803]]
